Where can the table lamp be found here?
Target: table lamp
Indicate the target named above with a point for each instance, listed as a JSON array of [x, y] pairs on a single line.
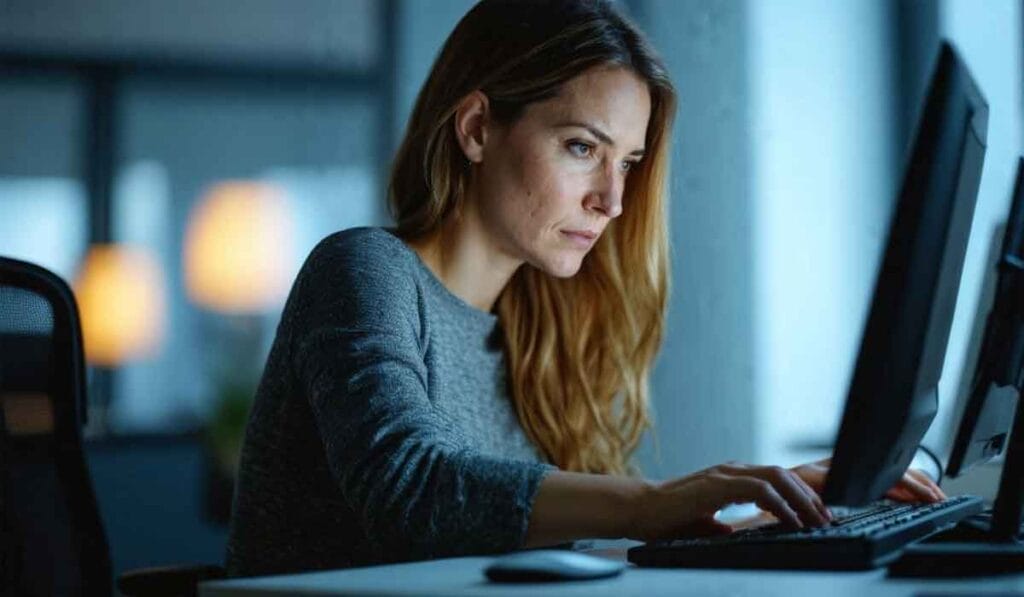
[[238, 256], [120, 295]]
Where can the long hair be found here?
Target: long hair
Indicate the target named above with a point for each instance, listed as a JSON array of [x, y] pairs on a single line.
[[579, 350]]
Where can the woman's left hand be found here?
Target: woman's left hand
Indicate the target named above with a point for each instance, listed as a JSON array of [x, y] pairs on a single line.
[[915, 486]]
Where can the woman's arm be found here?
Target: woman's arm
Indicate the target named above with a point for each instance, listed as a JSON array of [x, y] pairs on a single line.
[[572, 506], [416, 489]]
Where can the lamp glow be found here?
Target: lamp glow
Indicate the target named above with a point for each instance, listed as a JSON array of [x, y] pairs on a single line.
[[120, 296], [238, 248]]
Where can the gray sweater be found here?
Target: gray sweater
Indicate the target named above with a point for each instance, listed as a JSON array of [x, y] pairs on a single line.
[[381, 430]]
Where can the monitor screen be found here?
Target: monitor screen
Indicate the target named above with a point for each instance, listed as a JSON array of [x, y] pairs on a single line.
[[996, 383], [892, 396]]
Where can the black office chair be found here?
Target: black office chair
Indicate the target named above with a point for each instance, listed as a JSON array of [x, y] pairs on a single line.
[[53, 542]]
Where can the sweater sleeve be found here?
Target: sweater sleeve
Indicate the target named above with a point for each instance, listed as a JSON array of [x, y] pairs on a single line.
[[418, 491]]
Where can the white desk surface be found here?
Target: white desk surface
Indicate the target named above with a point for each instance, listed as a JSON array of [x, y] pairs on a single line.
[[465, 576]]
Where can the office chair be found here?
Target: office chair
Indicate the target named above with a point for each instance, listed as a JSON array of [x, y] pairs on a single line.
[[53, 541]]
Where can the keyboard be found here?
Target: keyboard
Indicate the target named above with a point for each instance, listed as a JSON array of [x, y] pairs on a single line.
[[856, 539]]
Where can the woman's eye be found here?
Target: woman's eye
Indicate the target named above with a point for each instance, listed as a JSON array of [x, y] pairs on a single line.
[[627, 166], [579, 149]]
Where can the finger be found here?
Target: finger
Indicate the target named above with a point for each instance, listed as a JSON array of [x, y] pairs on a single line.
[[791, 487], [927, 482], [924, 478], [798, 494], [919, 489], [900, 495], [764, 495], [733, 468], [813, 495], [811, 491]]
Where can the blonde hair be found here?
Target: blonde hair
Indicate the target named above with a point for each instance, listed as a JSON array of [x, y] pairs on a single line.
[[579, 350]]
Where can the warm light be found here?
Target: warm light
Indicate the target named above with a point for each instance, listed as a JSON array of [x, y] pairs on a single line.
[[120, 298], [238, 249]]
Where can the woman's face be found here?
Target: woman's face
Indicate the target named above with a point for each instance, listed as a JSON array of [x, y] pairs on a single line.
[[549, 183]]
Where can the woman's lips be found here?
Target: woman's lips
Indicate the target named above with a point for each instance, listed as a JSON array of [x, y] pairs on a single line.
[[581, 238]]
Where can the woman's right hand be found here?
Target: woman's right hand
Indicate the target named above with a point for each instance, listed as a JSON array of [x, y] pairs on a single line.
[[686, 507]]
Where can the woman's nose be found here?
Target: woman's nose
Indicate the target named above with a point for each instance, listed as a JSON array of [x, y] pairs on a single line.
[[606, 196]]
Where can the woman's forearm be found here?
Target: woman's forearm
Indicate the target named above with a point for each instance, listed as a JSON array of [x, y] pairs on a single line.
[[571, 506]]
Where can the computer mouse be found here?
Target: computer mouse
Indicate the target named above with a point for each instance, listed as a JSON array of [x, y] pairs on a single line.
[[545, 565]]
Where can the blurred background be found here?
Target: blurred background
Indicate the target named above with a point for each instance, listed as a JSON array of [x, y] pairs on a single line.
[[175, 162]]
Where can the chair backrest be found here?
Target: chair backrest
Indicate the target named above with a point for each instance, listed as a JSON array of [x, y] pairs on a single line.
[[54, 543]]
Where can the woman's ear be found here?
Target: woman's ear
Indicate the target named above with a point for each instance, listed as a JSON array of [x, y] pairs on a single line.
[[471, 119]]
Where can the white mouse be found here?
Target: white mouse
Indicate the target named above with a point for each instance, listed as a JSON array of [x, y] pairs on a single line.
[[543, 565]]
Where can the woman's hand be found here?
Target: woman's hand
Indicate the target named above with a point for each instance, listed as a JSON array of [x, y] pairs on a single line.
[[571, 506], [686, 506], [915, 486]]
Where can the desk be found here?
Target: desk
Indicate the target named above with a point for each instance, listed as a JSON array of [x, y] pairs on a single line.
[[464, 576]]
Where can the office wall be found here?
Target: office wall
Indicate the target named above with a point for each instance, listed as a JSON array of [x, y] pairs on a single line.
[[702, 385], [823, 109], [39, 173], [422, 28], [989, 38], [328, 33], [782, 181]]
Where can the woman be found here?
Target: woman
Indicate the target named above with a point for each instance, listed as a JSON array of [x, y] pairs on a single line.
[[475, 380]]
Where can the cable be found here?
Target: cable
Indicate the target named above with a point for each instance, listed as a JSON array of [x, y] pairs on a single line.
[[926, 450], [935, 459]]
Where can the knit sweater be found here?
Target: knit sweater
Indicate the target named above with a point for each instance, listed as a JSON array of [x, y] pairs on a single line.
[[382, 430]]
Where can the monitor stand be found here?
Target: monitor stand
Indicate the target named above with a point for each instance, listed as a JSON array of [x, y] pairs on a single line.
[[969, 549], [985, 544]]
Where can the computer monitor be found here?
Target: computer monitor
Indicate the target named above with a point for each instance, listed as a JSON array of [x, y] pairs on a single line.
[[997, 380], [893, 394], [994, 404]]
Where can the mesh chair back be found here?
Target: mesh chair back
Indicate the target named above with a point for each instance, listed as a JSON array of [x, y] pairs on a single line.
[[53, 537]]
